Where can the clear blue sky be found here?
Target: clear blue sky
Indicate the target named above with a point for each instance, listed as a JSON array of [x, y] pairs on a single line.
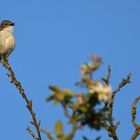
[[53, 38]]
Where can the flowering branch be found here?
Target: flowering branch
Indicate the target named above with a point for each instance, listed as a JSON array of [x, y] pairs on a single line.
[[18, 85], [80, 108], [83, 108], [111, 128]]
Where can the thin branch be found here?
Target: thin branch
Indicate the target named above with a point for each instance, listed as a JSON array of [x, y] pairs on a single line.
[[133, 113], [47, 133], [107, 79], [32, 133], [110, 128], [110, 113], [136, 134], [122, 83], [75, 127], [18, 85], [66, 110]]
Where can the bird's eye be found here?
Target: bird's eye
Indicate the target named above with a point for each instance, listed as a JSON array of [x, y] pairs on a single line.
[[5, 24]]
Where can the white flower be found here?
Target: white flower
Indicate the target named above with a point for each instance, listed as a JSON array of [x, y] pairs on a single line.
[[97, 87], [104, 92]]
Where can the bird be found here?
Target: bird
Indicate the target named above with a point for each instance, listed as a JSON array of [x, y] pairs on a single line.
[[7, 38]]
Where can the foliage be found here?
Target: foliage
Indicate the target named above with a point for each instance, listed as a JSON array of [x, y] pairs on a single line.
[[92, 108]]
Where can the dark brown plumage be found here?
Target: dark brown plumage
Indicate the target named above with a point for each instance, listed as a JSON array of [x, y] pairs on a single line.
[[6, 23]]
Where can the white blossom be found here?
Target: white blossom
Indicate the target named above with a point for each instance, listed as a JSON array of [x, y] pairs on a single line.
[[104, 92]]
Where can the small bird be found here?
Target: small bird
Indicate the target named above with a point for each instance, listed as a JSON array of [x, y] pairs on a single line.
[[7, 39]]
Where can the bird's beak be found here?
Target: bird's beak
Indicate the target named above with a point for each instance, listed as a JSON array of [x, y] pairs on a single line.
[[12, 24]]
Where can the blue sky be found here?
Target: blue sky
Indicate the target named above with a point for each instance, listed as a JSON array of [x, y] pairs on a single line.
[[53, 38]]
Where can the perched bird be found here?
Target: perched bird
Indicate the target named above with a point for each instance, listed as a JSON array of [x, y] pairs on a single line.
[[7, 39]]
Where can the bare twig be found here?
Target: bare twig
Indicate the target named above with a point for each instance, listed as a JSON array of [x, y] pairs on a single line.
[[47, 133], [107, 79], [123, 83], [137, 126], [18, 85], [32, 133], [66, 110], [110, 113]]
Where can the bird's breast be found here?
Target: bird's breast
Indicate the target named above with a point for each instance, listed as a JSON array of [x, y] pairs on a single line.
[[7, 42], [10, 42]]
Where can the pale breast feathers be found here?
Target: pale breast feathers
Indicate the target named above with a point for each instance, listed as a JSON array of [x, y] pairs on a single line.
[[7, 42], [10, 42]]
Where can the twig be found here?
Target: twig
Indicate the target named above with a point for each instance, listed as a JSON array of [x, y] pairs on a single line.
[[47, 133], [122, 83], [66, 110], [133, 113], [32, 133], [107, 79], [111, 128], [75, 127], [18, 85]]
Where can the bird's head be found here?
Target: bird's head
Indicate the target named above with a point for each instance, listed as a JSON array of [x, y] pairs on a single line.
[[7, 25]]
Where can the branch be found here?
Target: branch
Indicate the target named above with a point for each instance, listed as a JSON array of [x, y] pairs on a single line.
[[110, 128], [133, 113], [107, 79], [18, 85], [123, 83], [66, 110], [75, 127], [32, 133], [47, 133]]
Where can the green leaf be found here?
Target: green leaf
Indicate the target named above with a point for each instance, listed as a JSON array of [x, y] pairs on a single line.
[[56, 102], [50, 98], [68, 93], [72, 105], [59, 128], [55, 89]]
